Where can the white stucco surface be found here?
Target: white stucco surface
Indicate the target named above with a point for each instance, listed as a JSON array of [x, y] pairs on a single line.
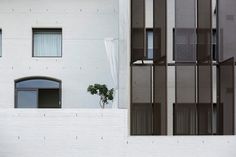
[[95, 133]]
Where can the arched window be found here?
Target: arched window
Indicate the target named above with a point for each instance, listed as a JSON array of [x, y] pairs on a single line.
[[37, 92]]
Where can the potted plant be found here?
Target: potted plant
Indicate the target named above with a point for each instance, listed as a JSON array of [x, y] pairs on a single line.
[[105, 94]]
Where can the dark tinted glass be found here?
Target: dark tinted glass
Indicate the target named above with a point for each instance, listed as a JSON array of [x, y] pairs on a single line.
[[141, 107], [185, 119], [204, 29], [204, 83], [160, 99], [204, 113], [185, 45], [227, 96], [141, 84], [159, 29], [141, 119], [137, 30], [185, 31]]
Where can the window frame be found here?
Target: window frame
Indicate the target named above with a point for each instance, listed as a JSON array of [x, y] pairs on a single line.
[[36, 89], [47, 30]]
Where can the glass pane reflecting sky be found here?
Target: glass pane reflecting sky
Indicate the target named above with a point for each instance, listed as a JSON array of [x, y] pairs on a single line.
[[38, 83]]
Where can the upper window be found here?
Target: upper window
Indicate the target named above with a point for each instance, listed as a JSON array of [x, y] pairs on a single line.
[[0, 42], [47, 42]]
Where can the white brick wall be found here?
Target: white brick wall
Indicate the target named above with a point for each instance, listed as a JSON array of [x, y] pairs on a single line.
[[95, 133]]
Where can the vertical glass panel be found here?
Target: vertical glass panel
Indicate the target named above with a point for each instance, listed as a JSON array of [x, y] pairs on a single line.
[[160, 69], [226, 77], [204, 83], [27, 99], [141, 119], [137, 30], [184, 45], [204, 29], [185, 83], [149, 44], [226, 29], [204, 112], [47, 43], [185, 31], [160, 99], [159, 29], [141, 84], [141, 107], [184, 119]]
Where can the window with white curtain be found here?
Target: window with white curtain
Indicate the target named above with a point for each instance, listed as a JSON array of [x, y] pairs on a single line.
[[47, 42], [0, 43]]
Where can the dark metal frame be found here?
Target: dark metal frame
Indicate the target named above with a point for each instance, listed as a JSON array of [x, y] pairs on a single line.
[[131, 28]]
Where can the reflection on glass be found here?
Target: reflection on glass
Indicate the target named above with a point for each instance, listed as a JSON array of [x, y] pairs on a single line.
[[27, 99], [37, 83]]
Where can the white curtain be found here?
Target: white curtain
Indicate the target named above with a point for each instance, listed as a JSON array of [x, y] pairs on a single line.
[[0, 43], [112, 56], [47, 44]]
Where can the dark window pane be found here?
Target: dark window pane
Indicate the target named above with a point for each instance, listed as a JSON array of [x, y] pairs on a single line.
[[141, 107], [185, 83], [185, 31], [141, 119], [159, 29], [227, 96], [27, 99], [185, 119], [137, 30], [204, 83], [141, 84], [185, 45], [160, 99], [204, 113], [48, 98], [160, 69], [204, 27]]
